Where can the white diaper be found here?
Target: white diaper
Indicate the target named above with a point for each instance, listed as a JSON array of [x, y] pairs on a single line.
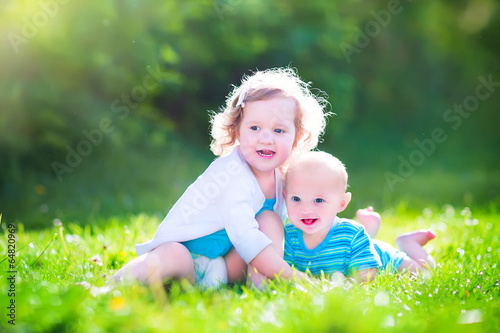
[[210, 273]]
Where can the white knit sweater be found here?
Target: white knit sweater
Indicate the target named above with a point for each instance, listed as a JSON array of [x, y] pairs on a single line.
[[226, 196]]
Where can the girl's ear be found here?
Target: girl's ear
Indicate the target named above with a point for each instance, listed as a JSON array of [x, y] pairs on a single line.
[[345, 201]]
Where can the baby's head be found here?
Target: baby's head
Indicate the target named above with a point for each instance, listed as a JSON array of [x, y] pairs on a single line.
[[315, 191], [310, 118]]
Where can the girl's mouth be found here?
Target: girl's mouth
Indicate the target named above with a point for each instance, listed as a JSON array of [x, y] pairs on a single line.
[[309, 221], [266, 153]]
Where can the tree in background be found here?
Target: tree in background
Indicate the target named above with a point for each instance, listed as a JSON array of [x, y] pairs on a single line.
[[128, 74]]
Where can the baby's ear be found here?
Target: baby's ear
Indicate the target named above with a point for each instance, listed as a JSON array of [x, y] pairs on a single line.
[[345, 201]]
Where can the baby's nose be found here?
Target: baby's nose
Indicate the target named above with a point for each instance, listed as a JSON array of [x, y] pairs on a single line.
[[306, 211]]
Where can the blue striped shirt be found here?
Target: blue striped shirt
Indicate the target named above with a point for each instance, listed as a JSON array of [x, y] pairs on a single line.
[[345, 249]]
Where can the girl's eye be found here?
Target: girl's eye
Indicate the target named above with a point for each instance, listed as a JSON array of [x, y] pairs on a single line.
[[254, 128], [295, 199], [319, 200], [279, 130]]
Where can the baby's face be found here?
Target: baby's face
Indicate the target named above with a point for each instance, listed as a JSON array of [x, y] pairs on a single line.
[[313, 198]]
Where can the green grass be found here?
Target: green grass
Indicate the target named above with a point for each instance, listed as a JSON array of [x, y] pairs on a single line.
[[62, 272]]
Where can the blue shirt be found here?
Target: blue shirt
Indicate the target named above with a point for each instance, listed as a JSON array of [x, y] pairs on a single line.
[[390, 257], [345, 249]]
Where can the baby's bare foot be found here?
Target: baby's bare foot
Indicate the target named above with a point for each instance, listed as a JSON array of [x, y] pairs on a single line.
[[422, 236], [370, 220], [367, 215]]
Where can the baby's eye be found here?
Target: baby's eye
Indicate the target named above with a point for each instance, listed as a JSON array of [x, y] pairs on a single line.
[[295, 199], [254, 128], [319, 200], [279, 130]]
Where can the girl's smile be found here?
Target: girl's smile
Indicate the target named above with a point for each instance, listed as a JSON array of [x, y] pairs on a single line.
[[267, 133], [265, 153]]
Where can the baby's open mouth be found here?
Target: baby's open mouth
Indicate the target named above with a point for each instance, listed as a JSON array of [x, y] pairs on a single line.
[[308, 221], [266, 153]]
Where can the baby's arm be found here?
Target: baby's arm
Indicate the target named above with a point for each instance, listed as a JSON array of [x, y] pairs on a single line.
[[364, 275], [364, 258]]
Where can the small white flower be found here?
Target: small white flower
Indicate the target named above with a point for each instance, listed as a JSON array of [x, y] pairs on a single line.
[[97, 259]]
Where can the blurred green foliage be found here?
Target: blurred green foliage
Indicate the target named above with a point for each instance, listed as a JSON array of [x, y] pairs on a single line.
[[137, 77]]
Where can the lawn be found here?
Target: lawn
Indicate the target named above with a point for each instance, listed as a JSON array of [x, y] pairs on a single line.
[[61, 273]]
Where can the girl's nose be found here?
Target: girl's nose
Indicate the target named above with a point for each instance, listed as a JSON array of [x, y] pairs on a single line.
[[266, 136]]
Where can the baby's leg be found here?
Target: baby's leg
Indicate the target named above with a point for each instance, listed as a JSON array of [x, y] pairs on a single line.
[[412, 244], [272, 226], [169, 260], [370, 220], [408, 265]]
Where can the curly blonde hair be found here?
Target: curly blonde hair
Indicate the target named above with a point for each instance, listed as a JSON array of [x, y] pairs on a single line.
[[310, 119]]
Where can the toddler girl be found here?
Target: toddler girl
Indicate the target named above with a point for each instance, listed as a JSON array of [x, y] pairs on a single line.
[[271, 117]]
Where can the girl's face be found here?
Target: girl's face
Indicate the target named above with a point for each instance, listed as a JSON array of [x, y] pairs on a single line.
[[267, 133]]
